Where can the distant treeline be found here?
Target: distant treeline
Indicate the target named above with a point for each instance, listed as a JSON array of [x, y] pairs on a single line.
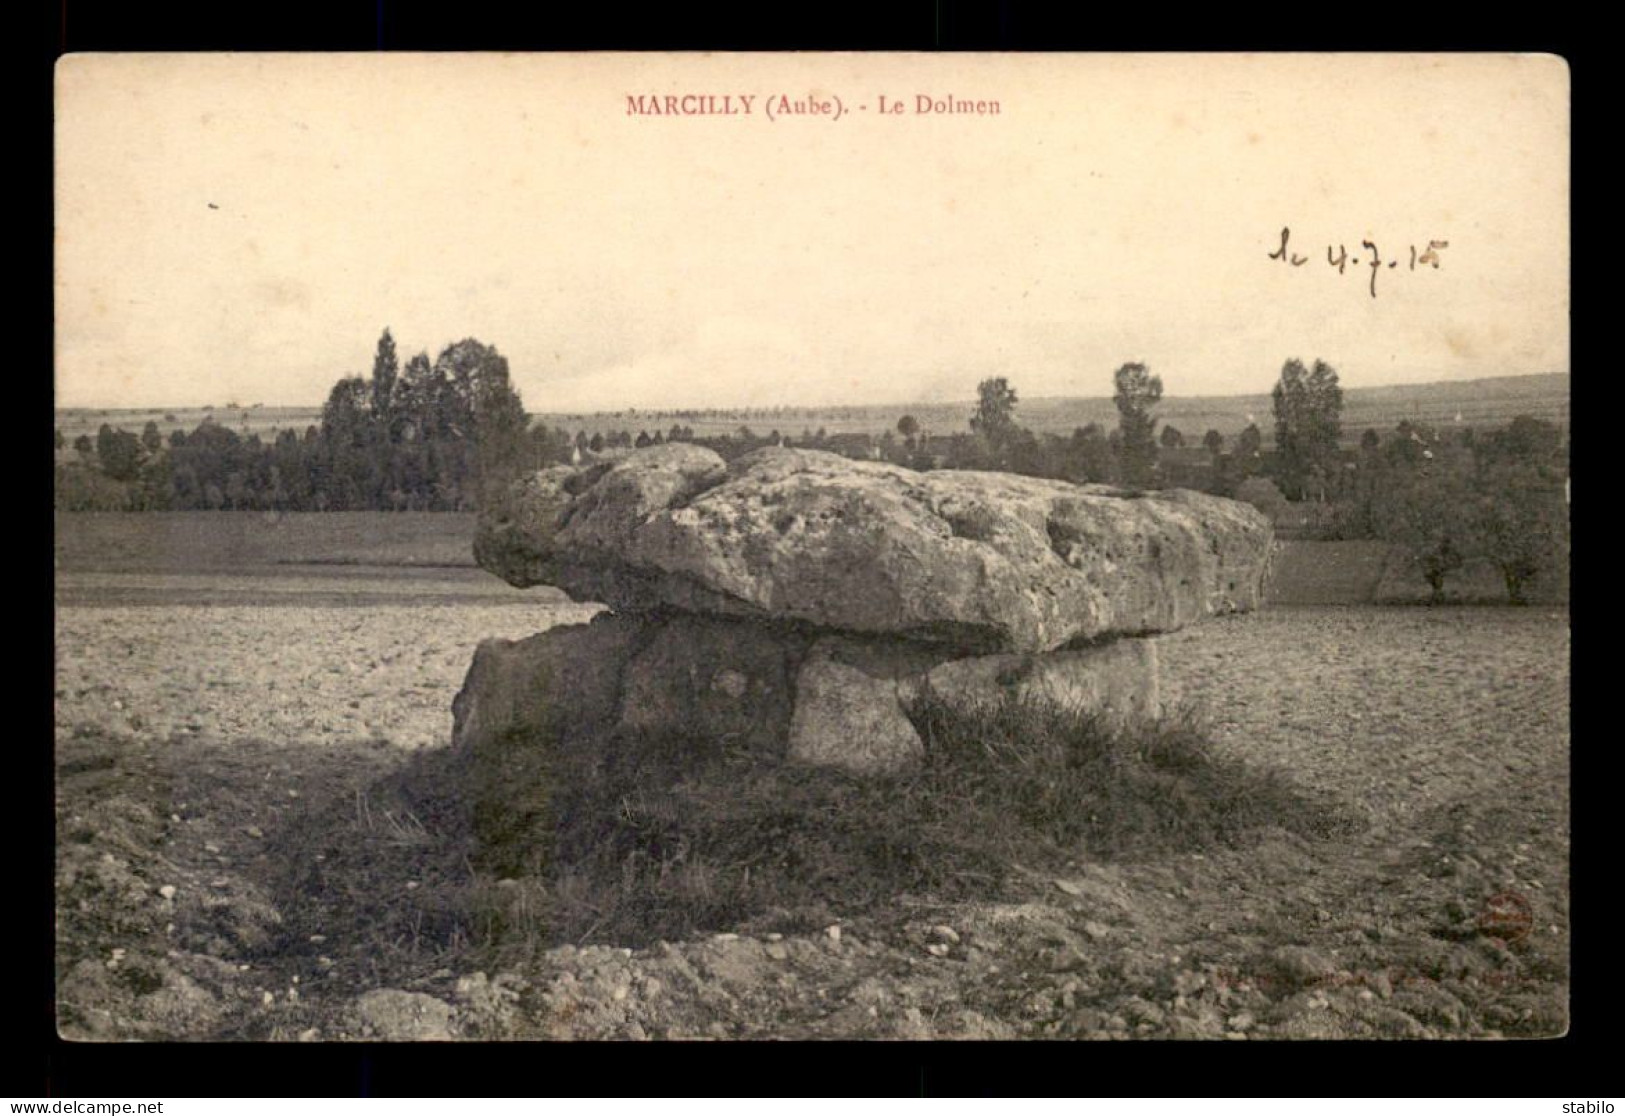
[[430, 437]]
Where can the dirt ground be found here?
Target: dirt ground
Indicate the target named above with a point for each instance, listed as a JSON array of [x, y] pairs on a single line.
[[196, 732]]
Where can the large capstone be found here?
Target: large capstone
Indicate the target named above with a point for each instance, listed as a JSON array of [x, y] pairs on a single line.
[[987, 562], [516, 530]]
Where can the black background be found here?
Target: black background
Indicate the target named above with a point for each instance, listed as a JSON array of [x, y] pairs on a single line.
[[38, 1064]]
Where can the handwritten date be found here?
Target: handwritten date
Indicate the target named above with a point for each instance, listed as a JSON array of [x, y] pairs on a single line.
[[1373, 258]]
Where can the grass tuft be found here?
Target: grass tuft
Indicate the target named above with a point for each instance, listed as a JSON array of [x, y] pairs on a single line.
[[643, 838], [651, 839], [382, 867]]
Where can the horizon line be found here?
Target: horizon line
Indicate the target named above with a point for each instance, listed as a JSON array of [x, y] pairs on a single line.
[[968, 400]]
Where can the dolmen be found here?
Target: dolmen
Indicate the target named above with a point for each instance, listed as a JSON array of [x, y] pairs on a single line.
[[792, 603]]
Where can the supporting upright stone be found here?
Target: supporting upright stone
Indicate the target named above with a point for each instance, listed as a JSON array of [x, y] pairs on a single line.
[[520, 700], [1117, 680], [848, 719], [725, 680]]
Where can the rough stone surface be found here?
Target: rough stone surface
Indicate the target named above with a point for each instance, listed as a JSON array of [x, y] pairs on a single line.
[[1114, 678], [514, 539], [726, 682], [609, 513], [391, 1015], [582, 512], [519, 700], [567, 677], [982, 561], [1117, 679], [741, 687], [848, 719]]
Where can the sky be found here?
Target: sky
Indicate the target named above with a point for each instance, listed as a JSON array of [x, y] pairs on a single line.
[[241, 228]]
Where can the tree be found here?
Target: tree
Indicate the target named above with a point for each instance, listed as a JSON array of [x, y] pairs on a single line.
[[1024, 454], [1526, 442], [908, 426], [119, 452], [1522, 529], [1364, 492], [1409, 448], [1172, 438], [1521, 515], [1430, 516], [1137, 391], [84, 445], [1308, 407], [183, 487], [1214, 442], [1262, 494], [479, 405], [1250, 444], [995, 417], [1090, 455], [346, 416], [151, 440], [418, 398], [60, 440]]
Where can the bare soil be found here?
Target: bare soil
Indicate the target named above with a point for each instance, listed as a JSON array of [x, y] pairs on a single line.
[[209, 736]]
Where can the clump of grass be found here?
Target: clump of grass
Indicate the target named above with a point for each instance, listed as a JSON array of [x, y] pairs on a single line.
[[651, 839], [379, 873], [1088, 785], [647, 838]]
